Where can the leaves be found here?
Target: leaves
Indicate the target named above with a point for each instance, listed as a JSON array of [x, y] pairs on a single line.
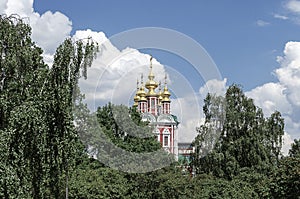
[[36, 110], [42, 116], [295, 150], [247, 139]]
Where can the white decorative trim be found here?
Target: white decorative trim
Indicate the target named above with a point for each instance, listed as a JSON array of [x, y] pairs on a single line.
[[167, 118], [166, 131], [148, 117]]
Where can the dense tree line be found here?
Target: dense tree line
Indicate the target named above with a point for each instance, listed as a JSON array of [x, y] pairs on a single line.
[[42, 117]]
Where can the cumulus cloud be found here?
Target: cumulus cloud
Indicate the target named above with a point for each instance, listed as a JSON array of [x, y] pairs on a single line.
[[48, 30], [22, 8], [113, 76], [189, 112], [114, 73], [213, 86], [271, 97], [289, 72], [293, 6], [284, 95], [46, 27]]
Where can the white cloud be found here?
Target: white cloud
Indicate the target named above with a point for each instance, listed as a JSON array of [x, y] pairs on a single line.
[[3, 6], [114, 73], [48, 30], [287, 141], [213, 86], [23, 8], [284, 95], [262, 23], [270, 97], [293, 6], [291, 13], [292, 126], [84, 34], [278, 16], [190, 115], [289, 72]]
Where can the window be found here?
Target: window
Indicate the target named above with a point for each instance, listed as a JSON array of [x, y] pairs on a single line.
[[152, 103], [166, 137], [166, 140]]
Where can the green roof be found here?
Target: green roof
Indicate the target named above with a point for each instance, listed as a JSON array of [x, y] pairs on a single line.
[[175, 119]]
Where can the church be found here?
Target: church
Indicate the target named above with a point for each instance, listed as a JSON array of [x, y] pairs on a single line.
[[155, 107]]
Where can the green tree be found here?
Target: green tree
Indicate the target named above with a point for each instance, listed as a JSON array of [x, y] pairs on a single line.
[[294, 152], [209, 133], [167, 182], [247, 139], [206, 186], [286, 179], [69, 58], [91, 179], [36, 111], [22, 74], [129, 133], [125, 142]]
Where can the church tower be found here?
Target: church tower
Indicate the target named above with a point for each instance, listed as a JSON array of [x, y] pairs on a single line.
[[166, 102], [155, 108], [152, 96]]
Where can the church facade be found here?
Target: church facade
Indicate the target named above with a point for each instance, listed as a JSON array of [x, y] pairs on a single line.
[[155, 107]]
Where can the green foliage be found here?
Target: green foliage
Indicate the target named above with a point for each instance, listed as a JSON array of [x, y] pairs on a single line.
[[164, 183], [206, 186], [36, 118], [238, 144], [286, 180], [295, 150], [126, 143], [129, 134], [91, 180], [247, 139], [21, 115], [42, 116], [260, 183]]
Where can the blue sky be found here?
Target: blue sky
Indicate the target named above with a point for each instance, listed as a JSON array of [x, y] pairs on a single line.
[[244, 52], [253, 43]]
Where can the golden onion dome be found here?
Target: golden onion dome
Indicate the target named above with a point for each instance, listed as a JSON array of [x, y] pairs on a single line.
[[160, 97], [151, 85], [141, 93], [136, 98], [166, 93]]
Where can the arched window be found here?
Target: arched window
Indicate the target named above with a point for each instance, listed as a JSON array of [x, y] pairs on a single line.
[[166, 137]]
